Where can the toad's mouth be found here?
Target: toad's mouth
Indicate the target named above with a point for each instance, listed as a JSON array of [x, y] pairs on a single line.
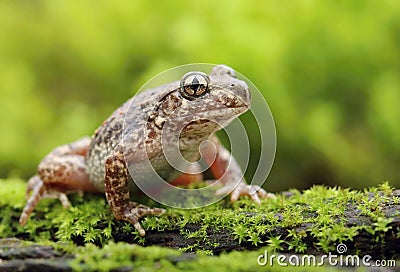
[[222, 116], [233, 100]]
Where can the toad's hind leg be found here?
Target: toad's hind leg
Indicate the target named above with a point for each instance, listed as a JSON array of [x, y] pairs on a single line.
[[63, 170]]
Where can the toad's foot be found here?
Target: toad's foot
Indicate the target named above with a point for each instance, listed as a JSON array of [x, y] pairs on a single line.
[[134, 211], [254, 191], [39, 191]]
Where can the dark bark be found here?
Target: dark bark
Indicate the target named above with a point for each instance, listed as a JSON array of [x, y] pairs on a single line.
[[15, 256]]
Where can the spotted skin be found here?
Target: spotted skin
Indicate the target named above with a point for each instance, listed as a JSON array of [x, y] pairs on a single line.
[[118, 196], [98, 164]]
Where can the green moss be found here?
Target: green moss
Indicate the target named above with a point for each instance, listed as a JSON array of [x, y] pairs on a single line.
[[111, 256], [137, 258], [87, 230], [317, 213]]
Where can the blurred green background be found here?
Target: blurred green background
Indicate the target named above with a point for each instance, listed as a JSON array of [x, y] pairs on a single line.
[[330, 71]]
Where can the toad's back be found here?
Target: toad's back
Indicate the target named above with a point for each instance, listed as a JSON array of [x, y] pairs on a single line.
[[130, 118]]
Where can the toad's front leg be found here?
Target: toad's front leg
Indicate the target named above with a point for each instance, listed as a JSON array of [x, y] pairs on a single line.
[[225, 168], [117, 194]]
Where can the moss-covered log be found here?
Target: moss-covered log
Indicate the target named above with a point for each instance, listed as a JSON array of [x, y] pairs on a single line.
[[382, 243], [314, 221]]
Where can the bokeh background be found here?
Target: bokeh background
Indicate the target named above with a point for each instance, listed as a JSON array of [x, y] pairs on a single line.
[[330, 71]]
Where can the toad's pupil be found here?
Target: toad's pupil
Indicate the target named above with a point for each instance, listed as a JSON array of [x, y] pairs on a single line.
[[195, 84]]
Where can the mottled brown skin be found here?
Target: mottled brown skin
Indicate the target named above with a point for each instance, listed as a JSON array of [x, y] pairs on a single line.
[[98, 164]]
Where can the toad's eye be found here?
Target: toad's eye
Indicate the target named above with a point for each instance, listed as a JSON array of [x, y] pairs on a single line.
[[194, 84]]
